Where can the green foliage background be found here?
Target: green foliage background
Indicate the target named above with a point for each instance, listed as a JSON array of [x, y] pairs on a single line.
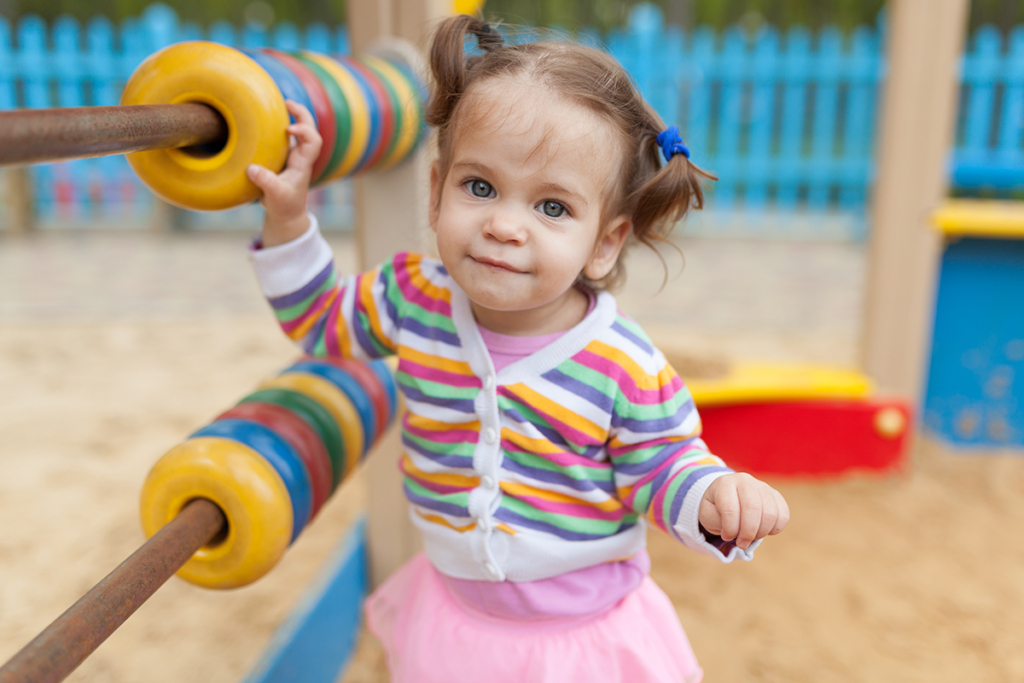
[[571, 14]]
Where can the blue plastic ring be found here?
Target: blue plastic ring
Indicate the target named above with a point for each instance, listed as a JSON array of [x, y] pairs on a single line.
[[281, 456], [287, 82]]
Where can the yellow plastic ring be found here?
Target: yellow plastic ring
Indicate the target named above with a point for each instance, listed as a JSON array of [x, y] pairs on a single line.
[[358, 108], [332, 398], [244, 95], [244, 485], [409, 101]]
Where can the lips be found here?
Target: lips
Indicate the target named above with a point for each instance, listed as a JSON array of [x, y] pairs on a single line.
[[496, 264]]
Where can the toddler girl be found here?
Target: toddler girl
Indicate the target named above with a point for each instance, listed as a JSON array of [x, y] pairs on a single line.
[[544, 431]]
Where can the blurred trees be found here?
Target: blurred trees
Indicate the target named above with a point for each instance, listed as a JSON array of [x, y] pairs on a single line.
[[605, 14], [203, 12], [602, 14]]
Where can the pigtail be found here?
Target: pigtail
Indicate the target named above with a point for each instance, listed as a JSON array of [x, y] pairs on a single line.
[[669, 190], [448, 64]]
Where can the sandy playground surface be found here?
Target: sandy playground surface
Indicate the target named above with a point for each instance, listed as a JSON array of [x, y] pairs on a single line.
[[115, 345]]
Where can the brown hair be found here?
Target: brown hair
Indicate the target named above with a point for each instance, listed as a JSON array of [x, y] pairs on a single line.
[[656, 196]]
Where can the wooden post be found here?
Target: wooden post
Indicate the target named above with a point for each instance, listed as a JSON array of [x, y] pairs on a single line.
[[19, 200], [391, 215], [916, 129], [166, 218]]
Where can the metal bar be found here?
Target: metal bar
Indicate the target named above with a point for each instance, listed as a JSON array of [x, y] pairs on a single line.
[[32, 136], [74, 635]]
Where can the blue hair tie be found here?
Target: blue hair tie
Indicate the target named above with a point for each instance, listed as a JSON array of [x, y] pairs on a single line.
[[672, 143]]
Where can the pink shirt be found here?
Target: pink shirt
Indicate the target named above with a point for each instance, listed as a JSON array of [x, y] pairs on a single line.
[[582, 593]]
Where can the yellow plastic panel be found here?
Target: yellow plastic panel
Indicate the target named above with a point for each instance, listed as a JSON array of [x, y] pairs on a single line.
[[748, 382], [981, 218]]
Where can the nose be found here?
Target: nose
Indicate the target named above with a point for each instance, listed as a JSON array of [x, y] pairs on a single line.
[[505, 225]]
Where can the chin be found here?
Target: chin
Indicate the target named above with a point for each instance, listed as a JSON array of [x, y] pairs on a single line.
[[494, 303]]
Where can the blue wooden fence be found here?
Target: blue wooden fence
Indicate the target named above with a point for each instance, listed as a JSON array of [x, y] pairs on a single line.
[[786, 119]]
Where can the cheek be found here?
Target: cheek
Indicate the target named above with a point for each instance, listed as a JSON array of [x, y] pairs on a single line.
[[450, 237]]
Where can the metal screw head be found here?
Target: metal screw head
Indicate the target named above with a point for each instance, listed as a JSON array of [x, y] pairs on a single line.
[[890, 423]]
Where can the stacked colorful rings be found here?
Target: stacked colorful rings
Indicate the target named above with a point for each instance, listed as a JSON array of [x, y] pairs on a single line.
[[271, 462], [369, 111]]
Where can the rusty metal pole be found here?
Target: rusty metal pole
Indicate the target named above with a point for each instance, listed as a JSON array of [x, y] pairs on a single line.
[[74, 635], [32, 136]]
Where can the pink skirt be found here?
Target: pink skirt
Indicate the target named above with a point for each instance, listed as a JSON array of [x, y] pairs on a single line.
[[430, 637]]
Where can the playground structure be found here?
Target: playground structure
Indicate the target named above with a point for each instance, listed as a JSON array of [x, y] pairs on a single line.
[[891, 374], [374, 108], [973, 397]]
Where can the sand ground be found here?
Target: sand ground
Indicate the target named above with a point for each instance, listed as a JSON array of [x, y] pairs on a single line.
[[113, 346]]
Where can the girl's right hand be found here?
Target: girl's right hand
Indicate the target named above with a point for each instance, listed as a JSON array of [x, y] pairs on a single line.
[[284, 193]]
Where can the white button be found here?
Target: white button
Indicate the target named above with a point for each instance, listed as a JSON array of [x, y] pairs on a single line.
[[488, 381], [491, 569], [490, 436], [485, 524], [488, 481]]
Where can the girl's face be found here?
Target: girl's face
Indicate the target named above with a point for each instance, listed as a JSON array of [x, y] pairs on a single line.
[[518, 215]]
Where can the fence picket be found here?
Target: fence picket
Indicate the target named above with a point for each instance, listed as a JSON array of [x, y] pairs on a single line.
[[762, 119], [190, 30], [653, 64], [254, 35], [101, 63], [161, 26], [7, 67], [318, 38], [828, 63], [697, 87], [285, 36], [72, 176], [857, 133], [734, 64], [32, 66], [796, 69], [341, 44], [976, 163], [981, 67], [223, 32], [67, 62], [33, 62], [1011, 124]]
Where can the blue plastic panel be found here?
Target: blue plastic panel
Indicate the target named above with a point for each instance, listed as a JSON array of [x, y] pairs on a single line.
[[975, 391], [316, 642]]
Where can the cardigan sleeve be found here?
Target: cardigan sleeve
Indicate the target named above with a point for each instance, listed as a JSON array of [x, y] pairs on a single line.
[[662, 466], [327, 314]]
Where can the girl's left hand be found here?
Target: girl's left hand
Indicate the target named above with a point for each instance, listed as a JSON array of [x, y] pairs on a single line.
[[738, 506]]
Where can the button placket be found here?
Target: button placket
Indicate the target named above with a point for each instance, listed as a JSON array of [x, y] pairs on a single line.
[[488, 465]]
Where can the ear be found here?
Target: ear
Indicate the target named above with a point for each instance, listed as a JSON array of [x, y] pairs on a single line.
[[608, 247], [436, 181]]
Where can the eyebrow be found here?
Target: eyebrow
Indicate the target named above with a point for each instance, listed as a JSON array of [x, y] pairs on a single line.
[[554, 188], [561, 189], [471, 165]]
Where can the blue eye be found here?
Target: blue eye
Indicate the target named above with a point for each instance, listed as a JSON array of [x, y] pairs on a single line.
[[480, 188], [553, 209]]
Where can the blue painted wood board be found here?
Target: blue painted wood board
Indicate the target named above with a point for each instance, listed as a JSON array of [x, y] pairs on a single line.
[[975, 393], [318, 639]]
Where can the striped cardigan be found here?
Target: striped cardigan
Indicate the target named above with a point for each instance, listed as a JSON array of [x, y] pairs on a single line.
[[555, 463]]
